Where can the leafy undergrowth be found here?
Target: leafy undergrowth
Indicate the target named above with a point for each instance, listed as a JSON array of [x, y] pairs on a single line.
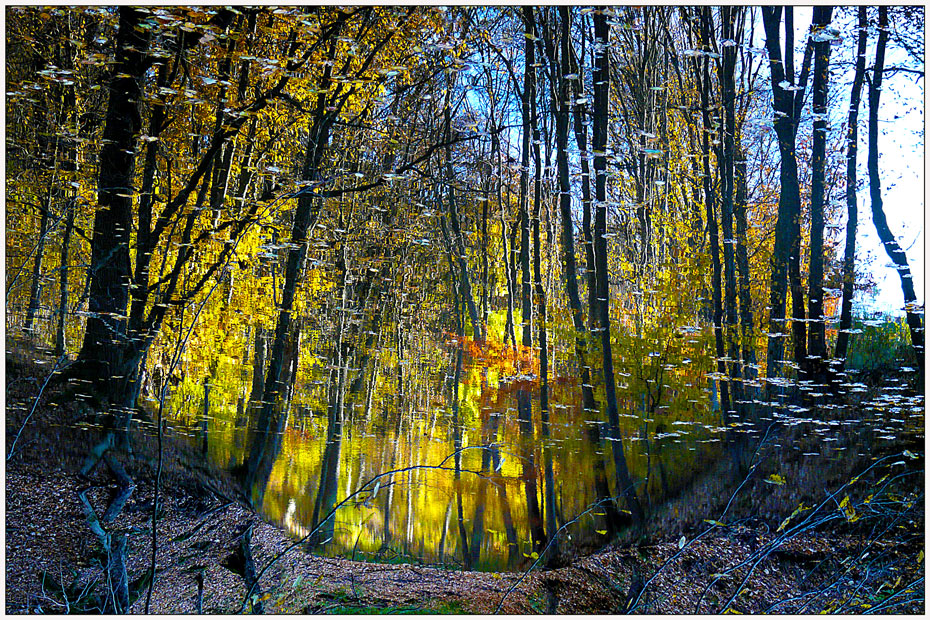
[[856, 547]]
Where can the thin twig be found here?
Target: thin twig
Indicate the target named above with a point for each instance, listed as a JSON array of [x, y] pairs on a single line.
[[158, 421], [752, 469]]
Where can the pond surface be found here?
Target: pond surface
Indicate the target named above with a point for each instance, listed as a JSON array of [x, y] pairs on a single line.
[[434, 508]]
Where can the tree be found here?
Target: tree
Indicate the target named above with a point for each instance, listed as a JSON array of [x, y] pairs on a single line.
[[892, 248], [817, 343], [852, 211], [599, 145], [787, 101], [115, 341], [524, 403]]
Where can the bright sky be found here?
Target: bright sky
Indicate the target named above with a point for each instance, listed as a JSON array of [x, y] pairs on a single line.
[[902, 164]]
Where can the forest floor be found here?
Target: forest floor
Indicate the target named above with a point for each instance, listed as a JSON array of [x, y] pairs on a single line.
[[52, 556]]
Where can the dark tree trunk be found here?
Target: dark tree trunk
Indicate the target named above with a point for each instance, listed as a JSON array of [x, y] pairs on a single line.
[[702, 76], [581, 140], [894, 251], [541, 327], [457, 459], [457, 240], [599, 144], [488, 437], [524, 402], [485, 267], [787, 226], [852, 209], [509, 332], [817, 341], [727, 163], [105, 349], [750, 371], [305, 217], [589, 402]]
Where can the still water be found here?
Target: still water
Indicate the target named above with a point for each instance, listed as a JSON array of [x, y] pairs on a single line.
[[428, 512]]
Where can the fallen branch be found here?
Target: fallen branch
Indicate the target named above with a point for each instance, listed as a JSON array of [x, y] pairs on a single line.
[[683, 548]]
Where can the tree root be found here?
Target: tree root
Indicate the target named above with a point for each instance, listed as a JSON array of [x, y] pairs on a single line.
[[115, 548], [126, 487], [114, 544]]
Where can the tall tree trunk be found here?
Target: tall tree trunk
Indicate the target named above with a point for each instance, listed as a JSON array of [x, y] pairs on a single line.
[[481, 499], [485, 267], [579, 111], [457, 459], [587, 378], [747, 324], [852, 209], [894, 251], [599, 144], [103, 351], [524, 402], [727, 163], [817, 340], [458, 241], [327, 494], [509, 332], [541, 327], [787, 226], [702, 76], [305, 217]]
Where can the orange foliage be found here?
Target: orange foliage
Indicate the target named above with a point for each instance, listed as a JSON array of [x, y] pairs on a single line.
[[497, 356]]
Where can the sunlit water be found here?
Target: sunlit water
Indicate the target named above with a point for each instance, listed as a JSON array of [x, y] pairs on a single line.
[[413, 516]]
